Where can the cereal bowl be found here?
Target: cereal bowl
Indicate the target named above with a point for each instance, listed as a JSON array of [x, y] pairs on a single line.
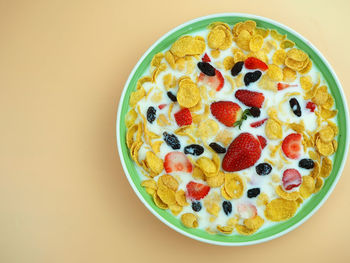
[[309, 207]]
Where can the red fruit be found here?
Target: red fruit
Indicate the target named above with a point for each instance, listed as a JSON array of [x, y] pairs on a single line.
[[250, 98], [311, 106], [281, 86], [216, 82], [242, 153], [196, 190], [183, 117], [246, 210], [226, 112], [254, 63], [262, 141], [206, 58], [258, 123], [291, 178], [161, 106], [291, 145], [177, 162]]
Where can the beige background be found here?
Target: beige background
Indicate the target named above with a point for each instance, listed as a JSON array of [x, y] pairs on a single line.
[[63, 195]]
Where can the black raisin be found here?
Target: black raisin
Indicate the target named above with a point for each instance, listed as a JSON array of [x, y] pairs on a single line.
[[237, 67], [252, 77], [263, 169], [171, 96], [254, 192], [194, 149], [206, 68], [254, 111], [306, 163], [151, 114], [227, 206], [294, 105], [172, 141], [196, 206], [217, 148]]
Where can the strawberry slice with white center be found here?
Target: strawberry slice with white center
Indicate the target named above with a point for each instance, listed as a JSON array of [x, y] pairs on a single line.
[[177, 162], [216, 82], [291, 145], [291, 179], [246, 210], [197, 191]]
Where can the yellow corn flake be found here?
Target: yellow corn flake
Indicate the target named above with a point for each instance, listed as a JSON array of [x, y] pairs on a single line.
[[289, 75], [273, 130], [156, 146], [215, 53], [248, 26], [159, 202], [321, 96], [238, 55], [187, 46], [259, 55], [286, 195], [224, 136], [280, 209], [225, 229], [197, 173], [189, 220], [180, 197], [136, 96], [279, 57], [262, 199], [233, 221], [254, 223], [329, 103], [220, 36], [270, 45], [228, 62], [277, 35], [130, 118], [169, 57], [231, 81], [318, 184], [216, 181], [297, 54], [287, 44], [130, 135], [256, 43], [213, 209], [154, 163], [143, 80], [150, 184], [157, 70], [188, 94], [275, 72], [168, 181], [157, 96], [239, 80], [306, 83], [307, 68], [316, 170], [326, 134], [175, 209], [243, 40], [157, 59], [207, 166], [243, 230], [307, 187], [267, 83], [166, 195], [162, 120], [180, 64], [169, 81], [326, 167], [262, 32], [324, 148], [207, 128], [314, 156], [234, 186], [335, 145], [328, 114]]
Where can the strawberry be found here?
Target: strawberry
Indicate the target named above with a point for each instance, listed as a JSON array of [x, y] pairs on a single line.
[[226, 112], [291, 178], [177, 162], [206, 58], [161, 106], [246, 210], [250, 98], [216, 82], [197, 191], [291, 145], [262, 141], [258, 123], [242, 153], [183, 117], [254, 63], [311, 106], [281, 86]]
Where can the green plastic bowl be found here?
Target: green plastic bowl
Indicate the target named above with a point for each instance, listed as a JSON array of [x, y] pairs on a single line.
[[310, 207]]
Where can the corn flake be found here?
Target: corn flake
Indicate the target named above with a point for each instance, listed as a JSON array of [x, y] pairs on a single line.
[[234, 186], [273, 130], [189, 220], [326, 167], [307, 187], [280, 209], [187, 46], [279, 57]]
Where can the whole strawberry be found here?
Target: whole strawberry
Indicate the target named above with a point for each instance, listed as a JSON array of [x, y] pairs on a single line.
[[243, 152], [226, 112]]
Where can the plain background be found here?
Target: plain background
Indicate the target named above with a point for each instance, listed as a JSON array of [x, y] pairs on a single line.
[[63, 194]]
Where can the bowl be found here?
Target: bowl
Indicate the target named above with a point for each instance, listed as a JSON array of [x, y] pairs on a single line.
[[313, 203]]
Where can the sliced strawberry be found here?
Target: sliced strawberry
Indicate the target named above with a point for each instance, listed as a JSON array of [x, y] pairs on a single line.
[[215, 82], [262, 141], [311, 106], [281, 86], [226, 112], [258, 123], [206, 58], [291, 145], [254, 63], [183, 117], [161, 106], [291, 178], [177, 162], [250, 98], [246, 210], [197, 191]]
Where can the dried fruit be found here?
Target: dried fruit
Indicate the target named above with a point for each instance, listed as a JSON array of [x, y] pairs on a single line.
[[171, 140], [254, 111], [253, 192], [306, 163], [295, 106], [196, 206], [194, 149], [227, 206], [206, 68], [251, 77], [217, 147], [171, 96], [237, 68], [263, 169]]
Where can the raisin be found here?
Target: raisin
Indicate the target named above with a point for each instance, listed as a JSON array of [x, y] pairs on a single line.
[[295, 106], [151, 114], [252, 77], [263, 169], [196, 206], [227, 206], [171, 96], [217, 148], [254, 111], [237, 68], [194, 149], [254, 192], [206, 68], [172, 141], [306, 163]]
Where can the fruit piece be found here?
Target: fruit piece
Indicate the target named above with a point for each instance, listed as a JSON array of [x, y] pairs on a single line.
[[162, 106], [215, 82], [258, 123], [311, 106], [227, 206], [171, 96], [242, 153], [172, 141], [244, 116], [254, 63], [197, 191], [196, 206], [226, 112], [206, 68], [194, 149], [254, 192], [306, 163], [237, 68], [262, 141], [217, 147], [263, 169], [251, 77], [291, 178], [254, 111], [177, 162], [281, 86], [246, 210], [295, 106], [250, 98], [206, 58], [151, 114], [291, 145], [183, 117]]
